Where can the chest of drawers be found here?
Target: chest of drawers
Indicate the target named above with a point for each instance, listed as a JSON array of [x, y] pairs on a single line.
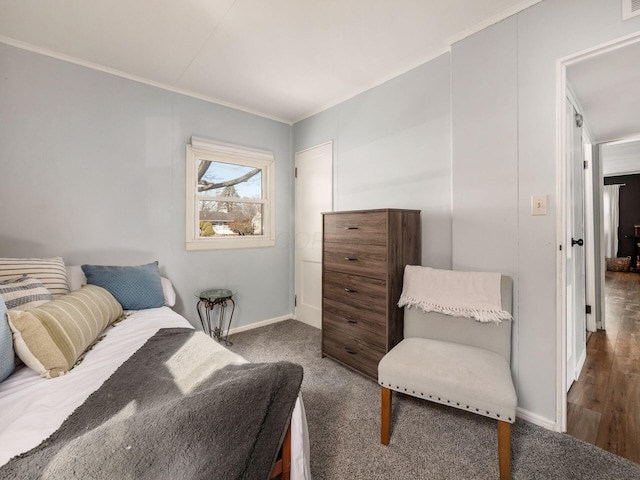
[[364, 253]]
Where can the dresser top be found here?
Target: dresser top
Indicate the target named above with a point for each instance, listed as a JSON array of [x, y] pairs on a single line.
[[371, 210]]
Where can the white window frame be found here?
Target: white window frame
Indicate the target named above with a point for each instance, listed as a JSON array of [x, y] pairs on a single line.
[[203, 149]]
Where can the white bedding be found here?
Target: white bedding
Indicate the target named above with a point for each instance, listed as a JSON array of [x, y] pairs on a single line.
[[32, 408]]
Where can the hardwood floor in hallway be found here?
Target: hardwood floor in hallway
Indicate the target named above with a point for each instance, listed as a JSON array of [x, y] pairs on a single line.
[[604, 403]]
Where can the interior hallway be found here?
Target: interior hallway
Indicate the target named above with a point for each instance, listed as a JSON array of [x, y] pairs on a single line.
[[604, 404]]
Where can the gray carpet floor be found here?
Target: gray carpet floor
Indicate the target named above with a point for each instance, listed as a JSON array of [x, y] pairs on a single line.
[[428, 441]]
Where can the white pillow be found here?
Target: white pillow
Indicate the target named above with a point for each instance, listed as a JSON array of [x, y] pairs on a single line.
[[168, 291], [77, 278]]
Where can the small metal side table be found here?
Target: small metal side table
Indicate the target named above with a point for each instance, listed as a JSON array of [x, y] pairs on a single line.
[[207, 301]]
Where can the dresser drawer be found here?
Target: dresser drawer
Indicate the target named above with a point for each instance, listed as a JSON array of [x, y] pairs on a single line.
[[368, 229], [352, 351], [370, 327], [369, 294], [367, 260]]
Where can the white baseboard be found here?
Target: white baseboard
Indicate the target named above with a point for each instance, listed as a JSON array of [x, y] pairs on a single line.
[[263, 323], [536, 419], [581, 360], [317, 325]]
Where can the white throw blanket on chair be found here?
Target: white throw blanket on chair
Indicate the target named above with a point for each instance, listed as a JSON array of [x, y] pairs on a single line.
[[459, 294]]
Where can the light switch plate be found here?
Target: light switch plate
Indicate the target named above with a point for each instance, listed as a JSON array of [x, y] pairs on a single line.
[[538, 205]]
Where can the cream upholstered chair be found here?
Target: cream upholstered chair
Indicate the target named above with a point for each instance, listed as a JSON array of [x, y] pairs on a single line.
[[458, 362]]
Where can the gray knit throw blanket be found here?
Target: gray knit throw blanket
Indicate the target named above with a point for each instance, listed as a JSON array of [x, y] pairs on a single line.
[[159, 417]]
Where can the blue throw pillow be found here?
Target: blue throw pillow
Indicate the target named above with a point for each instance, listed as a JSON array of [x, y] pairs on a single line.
[[7, 357], [136, 288]]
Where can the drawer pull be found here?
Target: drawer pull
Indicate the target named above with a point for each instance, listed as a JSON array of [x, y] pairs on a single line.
[[349, 351], [346, 289], [351, 228], [351, 320], [349, 259]]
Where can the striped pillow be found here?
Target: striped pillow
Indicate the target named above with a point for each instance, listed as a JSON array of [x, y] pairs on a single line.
[[6, 344], [51, 338], [50, 271], [24, 293]]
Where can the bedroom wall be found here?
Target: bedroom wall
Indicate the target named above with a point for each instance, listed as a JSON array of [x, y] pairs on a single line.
[[392, 149], [92, 168], [502, 106], [530, 44]]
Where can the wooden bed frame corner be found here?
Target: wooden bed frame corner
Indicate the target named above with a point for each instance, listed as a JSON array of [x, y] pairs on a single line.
[[282, 468]]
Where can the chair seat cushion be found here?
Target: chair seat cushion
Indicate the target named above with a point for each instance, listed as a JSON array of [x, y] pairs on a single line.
[[461, 376]]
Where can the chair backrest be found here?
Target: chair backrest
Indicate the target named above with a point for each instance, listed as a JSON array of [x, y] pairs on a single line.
[[465, 331]]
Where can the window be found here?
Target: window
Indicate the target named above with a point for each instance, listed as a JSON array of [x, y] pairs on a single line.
[[230, 196]]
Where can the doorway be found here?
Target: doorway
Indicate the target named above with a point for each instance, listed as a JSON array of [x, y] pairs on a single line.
[[313, 195], [608, 69]]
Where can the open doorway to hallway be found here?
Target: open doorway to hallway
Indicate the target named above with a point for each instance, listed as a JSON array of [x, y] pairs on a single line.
[[606, 87], [604, 403]]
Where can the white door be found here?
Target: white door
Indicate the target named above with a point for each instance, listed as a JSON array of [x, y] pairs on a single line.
[[576, 275], [314, 195]]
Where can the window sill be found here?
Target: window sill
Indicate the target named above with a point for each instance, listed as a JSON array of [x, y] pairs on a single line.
[[229, 243]]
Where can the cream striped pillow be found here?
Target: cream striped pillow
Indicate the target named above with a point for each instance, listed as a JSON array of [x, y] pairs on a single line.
[[24, 293], [50, 271], [49, 339]]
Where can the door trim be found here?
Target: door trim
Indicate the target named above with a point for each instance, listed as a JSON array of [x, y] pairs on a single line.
[[561, 215]]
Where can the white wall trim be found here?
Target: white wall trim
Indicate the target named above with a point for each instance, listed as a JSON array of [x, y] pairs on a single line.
[[118, 73], [498, 17], [635, 138], [600, 49], [586, 130], [536, 419], [589, 238], [311, 324], [263, 323], [580, 364], [561, 252]]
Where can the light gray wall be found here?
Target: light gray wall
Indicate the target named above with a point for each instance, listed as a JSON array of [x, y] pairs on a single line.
[[485, 170], [540, 35], [392, 149], [92, 168], [503, 139]]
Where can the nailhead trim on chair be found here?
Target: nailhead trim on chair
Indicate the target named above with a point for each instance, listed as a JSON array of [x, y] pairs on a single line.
[[489, 414]]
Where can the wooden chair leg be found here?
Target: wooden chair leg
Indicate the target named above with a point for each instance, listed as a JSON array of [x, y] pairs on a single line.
[[504, 449], [385, 416]]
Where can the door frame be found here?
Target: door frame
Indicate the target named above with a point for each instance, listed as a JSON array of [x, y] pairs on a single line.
[[589, 212], [575, 355], [561, 215]]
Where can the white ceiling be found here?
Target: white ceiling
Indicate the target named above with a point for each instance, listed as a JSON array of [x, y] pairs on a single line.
[[283, 59], [607, 87], [620, 158]]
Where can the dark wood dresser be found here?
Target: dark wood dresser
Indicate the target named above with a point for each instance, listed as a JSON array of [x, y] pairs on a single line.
[[364, 253]]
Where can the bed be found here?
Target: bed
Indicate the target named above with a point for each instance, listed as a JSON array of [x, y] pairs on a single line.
[[34, 409]]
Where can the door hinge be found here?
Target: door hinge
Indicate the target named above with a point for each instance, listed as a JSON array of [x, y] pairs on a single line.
[[560, 247], [295, 173], [586, 164], [295, 300], [579, 120], [588, 309]]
